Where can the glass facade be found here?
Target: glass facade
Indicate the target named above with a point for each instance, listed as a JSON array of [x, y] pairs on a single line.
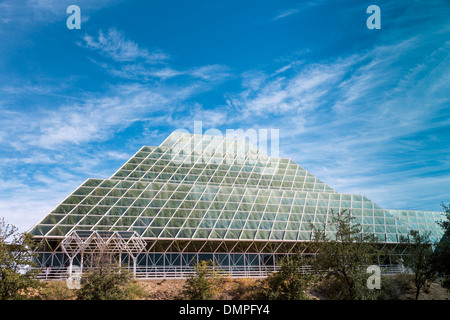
[[214, 193], [215, 189]]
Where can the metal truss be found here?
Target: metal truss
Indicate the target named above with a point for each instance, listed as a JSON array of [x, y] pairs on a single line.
[[102, 242], [176, 259]]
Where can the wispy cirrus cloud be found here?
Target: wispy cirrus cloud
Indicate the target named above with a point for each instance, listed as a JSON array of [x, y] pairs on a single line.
[[136, 63], [25, 15], [285, 14], [141, 72], [298, 9], [94, 119], [280, 93], [115, 45], [212, 72]]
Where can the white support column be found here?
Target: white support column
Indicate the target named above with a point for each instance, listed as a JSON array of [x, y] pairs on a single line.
[[69, 271], [134, 266]]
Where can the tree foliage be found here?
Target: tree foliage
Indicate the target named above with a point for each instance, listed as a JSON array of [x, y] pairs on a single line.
[[17, 279], [204, 284], [441, 259], [107, 281], [344, 257], [288, 283], [56, 290], [419, 259]]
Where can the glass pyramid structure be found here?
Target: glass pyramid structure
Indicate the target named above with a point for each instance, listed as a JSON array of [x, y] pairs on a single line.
[[211, 187]]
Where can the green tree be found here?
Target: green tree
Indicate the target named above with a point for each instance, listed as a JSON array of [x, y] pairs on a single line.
[[419, 259], [107, 281], [288, 283], [17, 279], [441, 259], [394, 287], [343, 256], [204, 284]]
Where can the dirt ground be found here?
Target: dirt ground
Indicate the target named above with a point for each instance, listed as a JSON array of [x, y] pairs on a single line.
[[162, 289], [435, 292], [230, 289], [238, 289]]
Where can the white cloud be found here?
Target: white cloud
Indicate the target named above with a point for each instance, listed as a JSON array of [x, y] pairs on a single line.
[[135, 63], [282, 95], [300, 8], [30, 14], [142, 72], [285, 14], [26, 199], [98, 118], [115, 45], [93, 118], [117, 155], [210, 72]]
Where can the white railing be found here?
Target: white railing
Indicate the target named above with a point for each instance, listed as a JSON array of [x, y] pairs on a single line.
[[182, 272]]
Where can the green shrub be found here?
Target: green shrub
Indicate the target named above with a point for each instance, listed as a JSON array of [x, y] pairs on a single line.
[[394, 287], [286, 284], [243, 289], [446, 282], [109, 283], [205, 284], [56, 290]]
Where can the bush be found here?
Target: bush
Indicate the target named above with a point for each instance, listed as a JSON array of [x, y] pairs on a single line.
[[56, 290], [394, 287], [135, 291], [446, 282], [286, 284], [242, 289], [337, 288], [109, 283], [204, 284]]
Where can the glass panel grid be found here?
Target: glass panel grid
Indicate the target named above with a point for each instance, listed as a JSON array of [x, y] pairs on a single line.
[[203, 187]]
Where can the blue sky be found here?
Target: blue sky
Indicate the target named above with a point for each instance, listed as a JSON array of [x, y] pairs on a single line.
[[367, 111]]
